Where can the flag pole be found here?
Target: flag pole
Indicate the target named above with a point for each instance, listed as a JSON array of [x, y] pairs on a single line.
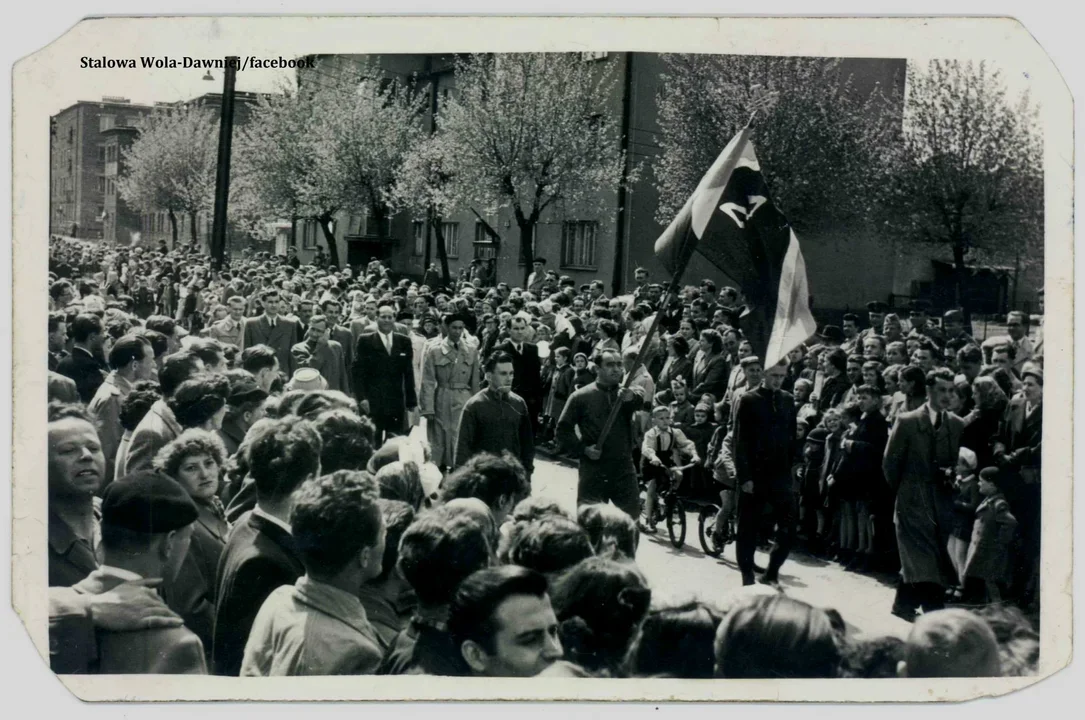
[[671, 296]]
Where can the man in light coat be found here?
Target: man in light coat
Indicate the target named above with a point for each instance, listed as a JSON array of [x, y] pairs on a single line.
[[919, 463], [450, 377]]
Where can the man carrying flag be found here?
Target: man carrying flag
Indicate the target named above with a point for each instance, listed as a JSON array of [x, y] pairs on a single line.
[[731, 221]]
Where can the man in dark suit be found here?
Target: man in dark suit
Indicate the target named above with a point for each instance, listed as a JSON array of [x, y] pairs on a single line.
[[260, 554], [384, 374], [83, 365], [860, 469], [919, 465], [526, 367], [1018, 447], [764, 438], [274, 330]]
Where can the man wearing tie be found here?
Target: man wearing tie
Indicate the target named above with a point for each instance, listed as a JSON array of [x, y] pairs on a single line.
[[919, 465], [384, 375], [271, 329], [527, 368]]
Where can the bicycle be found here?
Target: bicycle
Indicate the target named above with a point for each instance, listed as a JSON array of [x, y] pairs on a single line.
[[670, 510]]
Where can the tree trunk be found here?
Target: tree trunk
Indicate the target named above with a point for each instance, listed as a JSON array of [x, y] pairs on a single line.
[[442, 251], [329, 240], [192, 228], [173, 226], [961, 273], [527, 248], [426, 242], [293, 231]]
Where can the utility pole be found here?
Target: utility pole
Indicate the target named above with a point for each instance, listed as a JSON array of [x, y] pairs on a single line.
[[222, 176]]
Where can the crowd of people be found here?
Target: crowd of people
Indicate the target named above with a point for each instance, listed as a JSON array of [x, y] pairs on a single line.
[[294, 469]]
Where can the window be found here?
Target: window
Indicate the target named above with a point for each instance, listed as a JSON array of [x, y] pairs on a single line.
[[589, 56], [578, 243], [418, 228], [485, 251], [106, 122], [101, 184], [451, 232], [101, 153]]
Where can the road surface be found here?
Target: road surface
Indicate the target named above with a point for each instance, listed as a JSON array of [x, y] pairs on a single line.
[[678, 575]]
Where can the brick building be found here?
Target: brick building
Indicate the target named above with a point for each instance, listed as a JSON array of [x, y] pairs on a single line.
[[86, 141]]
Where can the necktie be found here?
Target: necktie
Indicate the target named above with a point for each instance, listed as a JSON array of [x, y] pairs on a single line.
[[272, 321], [938, 421]]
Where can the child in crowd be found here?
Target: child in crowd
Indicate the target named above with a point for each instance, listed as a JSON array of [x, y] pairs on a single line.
[[662, 450], [700, 432], [681, 408], [584, 375], [719, 464], [950, 643], [561, 387], [987, 567], [965, 501]]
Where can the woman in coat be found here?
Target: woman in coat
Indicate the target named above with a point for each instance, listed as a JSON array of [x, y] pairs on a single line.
[[195, 461], [981, 425], [677, 365]]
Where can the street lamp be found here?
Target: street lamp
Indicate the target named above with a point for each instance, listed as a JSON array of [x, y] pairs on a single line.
[[208, 76]]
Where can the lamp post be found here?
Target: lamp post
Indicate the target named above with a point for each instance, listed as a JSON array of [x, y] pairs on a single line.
[[222, 176]]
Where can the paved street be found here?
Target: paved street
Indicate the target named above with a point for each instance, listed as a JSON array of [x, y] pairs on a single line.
[[677, 575]]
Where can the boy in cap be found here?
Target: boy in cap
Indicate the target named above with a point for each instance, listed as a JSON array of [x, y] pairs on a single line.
[[146, 529], [987, 566]]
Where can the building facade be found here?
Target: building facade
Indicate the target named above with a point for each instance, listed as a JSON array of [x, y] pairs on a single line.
[[612, 244], [86, 143]]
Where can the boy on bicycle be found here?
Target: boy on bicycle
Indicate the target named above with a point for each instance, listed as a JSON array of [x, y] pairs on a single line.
[[661, 453]]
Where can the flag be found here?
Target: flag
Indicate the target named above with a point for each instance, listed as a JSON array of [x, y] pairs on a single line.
[[486, 228], [731, 221]]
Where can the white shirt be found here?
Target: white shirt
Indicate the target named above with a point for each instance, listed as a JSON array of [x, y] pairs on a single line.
[[121, 572], [260, 512]]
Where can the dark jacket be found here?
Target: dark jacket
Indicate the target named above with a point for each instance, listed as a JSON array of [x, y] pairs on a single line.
[[859, 472], [259, 557], [764, 437], [489, 424], [258, 331], [385, 380], [1022, 436], [712, 378], [527, 369], [192, 593], [85, 370], [587, 409]]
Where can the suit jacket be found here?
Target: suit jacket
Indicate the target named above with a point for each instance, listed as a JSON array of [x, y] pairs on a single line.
[[85, 370], [227, 331], [166, 651], [342, 336], [70, 557], [311, 628], [712, 378], [764, 438], [259, 557], [1022, 435], [156, 430], [527, 373], [192, 593], [258, 331], [860, 469], [924, 500], [680, 367], [385, 380], [328, 358], [105, 408]]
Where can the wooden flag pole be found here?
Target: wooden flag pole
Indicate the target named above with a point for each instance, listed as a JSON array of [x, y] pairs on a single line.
[[670, 297]]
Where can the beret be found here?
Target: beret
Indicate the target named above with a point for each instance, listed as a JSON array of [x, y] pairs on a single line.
[[990, 474], [244, 389], [817, 436], [147, 502]]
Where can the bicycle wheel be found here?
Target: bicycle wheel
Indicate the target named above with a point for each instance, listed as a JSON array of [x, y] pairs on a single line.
[[676, 522], [706, 525]]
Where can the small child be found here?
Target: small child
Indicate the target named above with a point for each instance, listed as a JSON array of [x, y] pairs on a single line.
[[965, 500], [700, 432], [718, 463], [584, 375], [660, 459], [681, 408], [987, 564]]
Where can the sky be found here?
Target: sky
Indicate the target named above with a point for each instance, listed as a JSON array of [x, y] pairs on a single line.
[[147, 88]]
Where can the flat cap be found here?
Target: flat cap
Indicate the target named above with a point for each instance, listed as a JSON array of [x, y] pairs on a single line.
[[877, 306], [749, 360], [147, 502], [817, 436]]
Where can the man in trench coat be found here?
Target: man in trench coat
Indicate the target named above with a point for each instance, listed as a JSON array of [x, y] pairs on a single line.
[[450, 377], [919, 463]]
